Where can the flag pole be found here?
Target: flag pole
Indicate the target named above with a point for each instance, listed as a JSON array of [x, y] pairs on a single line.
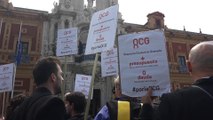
[[3, 105], [1, 25], [13, 83], [19, 45], [14, 76], [65, 77], [91, 87], [19, 35]]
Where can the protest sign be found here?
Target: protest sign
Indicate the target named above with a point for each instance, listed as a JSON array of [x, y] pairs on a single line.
[[143, 63], [6, 77], [82, 84], [67, 42], [102, 30], [109, 62]]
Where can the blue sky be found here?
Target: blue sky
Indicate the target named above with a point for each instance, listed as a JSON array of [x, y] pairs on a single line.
[[193, 14]]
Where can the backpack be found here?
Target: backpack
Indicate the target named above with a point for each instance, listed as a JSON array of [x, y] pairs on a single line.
[[133, 110], [23, 111]]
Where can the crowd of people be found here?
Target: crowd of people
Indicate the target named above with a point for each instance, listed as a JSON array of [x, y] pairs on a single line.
[[192, 103]]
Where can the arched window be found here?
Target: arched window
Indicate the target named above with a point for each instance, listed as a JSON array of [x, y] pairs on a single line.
[[66, 24], [158, 24], [182, 64]]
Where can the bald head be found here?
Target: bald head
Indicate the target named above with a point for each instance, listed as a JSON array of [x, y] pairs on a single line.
[[201, 59]]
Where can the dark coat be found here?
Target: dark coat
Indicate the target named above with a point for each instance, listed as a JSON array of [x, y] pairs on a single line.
[[184, 104], [42, 105], [80, 117]]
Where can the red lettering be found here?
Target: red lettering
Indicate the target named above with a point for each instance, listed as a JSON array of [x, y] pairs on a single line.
[[102, 15], [84, 78], [109, 52], [140, 41], [67, 32]]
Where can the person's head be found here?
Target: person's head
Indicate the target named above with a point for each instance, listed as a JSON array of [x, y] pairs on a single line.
[[47, 72], [75, 103], [200, 62], [118, 91]]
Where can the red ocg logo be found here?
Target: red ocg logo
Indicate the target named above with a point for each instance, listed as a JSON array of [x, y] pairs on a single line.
[[140, 41], [104, 14], [67, 32]]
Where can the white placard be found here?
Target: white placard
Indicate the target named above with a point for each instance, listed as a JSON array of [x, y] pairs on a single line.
[[82, 84], [109, 62], [67, 42], [143, 63], [102, 30], [6, 77]]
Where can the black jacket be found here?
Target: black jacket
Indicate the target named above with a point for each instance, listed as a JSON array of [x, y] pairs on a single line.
[[42, 105], [80, 117], [184, 104]]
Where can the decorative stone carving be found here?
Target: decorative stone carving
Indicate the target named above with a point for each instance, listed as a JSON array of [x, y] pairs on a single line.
[[90, 3]]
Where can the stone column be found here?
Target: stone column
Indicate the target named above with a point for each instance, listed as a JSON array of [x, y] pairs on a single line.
[[61, 23], [45, 38], [102, 4], [51, 37]]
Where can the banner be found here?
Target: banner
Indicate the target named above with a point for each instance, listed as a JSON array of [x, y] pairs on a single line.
[[102, 30], [1, 25], [143, 63], [82, 84], [109, 62], [6, 77], [67, 42], [19, 47]]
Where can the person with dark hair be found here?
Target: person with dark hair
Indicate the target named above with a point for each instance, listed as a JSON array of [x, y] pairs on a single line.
[[121, 108], [14, 103], [75, 103], [43, 104], [191, 103]]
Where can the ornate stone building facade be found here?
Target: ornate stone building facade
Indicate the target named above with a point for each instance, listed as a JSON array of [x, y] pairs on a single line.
[[73, 13], [178, 45]]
